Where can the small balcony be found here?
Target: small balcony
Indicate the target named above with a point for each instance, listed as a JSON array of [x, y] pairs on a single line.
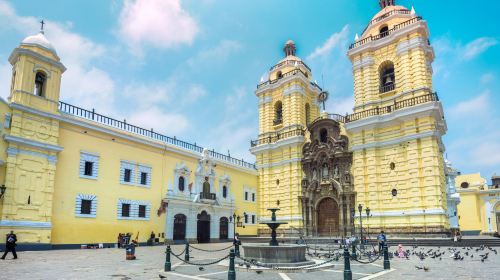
[[387, 87], [207, 196]]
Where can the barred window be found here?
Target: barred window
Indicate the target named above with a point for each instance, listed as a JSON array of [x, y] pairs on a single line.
[[125, 210], [86, 206], [142, 211], [127, 174], [89, 166]]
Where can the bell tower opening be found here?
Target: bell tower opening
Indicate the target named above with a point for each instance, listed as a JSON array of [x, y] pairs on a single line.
[[387, 78], [40, 81]]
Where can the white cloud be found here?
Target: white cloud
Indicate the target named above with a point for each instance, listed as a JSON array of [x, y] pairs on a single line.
[[477, 47], [82, 84], [168, 123], [5, 80], [340, 105], [475, 107], [217, 55], [155, 23], [336, 39], [487, 77]]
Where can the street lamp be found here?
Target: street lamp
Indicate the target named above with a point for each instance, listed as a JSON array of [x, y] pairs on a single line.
[[360, 208], [2, 190], [234, 224], [368, 217], [353, 215]]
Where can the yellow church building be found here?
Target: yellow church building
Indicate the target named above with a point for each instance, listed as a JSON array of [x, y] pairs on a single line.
[[73, 176]]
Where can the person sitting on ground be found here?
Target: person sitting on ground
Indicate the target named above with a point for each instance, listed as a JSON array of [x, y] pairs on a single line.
[[401, 251]]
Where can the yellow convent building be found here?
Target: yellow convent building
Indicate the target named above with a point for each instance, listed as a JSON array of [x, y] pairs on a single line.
[[72, 176]]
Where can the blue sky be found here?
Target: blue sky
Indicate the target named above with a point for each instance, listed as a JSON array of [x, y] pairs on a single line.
[[188, 68]]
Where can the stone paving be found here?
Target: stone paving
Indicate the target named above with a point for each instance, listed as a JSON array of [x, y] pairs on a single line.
[[111, 264]]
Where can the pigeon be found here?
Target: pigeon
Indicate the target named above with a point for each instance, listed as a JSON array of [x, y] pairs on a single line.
[[258, 271], [418, 267], [201, 268], [161, 276], [426, 268]]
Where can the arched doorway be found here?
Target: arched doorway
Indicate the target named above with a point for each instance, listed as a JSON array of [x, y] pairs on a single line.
[[223, 228], [179, 227], [203, 227], [328, 217]]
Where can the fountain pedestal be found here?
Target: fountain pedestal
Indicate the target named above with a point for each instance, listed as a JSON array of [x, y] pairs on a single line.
[[285, 255]]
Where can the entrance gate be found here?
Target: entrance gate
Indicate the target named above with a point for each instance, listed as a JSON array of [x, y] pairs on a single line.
[[179, 227], [203, 227], [223, 228], [328, 217]]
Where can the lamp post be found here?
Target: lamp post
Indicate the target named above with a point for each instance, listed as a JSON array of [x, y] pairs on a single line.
[[2, 190], [353, 245], [360, 208], [234, 224], [367, 218]]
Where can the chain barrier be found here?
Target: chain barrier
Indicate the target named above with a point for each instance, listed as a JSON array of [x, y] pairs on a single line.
[[205, 250], [258, 264], [366, 262], [172, 252], [202, 264]]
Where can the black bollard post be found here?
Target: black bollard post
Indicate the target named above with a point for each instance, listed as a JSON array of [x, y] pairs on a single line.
[[168, 265], [186, 254], [231, 274], [347, 265], [387, 264]]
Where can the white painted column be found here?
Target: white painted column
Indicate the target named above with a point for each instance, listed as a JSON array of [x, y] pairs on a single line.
[[487, 208], [191, 225], [169, 225], [214, 226]]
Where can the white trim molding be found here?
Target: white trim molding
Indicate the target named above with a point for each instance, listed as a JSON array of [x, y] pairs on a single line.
[[93, 206], [26, 224], [89, 157], [33, 143]]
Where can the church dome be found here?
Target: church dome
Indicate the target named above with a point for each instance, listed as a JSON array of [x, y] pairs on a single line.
[[39, 40], [389, 9]]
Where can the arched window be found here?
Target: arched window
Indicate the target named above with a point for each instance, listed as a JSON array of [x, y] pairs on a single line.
[[181, 183], [464, 185], [323, 135], [278, 113], [308, 114], [387, 78], [224, 191], [279, 75], [40, 80], [384, 31]]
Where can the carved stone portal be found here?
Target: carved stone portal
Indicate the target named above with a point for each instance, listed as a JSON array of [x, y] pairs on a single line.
[[327, 197]]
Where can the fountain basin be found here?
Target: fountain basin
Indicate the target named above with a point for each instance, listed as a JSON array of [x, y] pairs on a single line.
[[283, 255]]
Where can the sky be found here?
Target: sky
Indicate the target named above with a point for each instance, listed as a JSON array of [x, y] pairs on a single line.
[[189, 68]]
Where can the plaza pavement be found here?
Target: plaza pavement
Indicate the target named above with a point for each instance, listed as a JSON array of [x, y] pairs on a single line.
[[111, 264]]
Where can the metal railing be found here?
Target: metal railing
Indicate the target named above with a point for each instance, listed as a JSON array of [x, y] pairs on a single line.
[[149, 133], [289, 62], [387, 88], [288, 74], [206, 195], [272, 138], [385, 34]]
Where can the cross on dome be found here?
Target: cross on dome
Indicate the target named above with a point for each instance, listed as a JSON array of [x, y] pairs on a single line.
[[42, 23], [386, 3]]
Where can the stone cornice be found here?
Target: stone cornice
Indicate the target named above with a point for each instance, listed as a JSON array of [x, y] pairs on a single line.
[[20, 51], [284, 80], [279, 144], [33, 143]]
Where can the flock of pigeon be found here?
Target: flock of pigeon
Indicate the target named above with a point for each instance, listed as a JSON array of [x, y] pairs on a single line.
[[465, 253]]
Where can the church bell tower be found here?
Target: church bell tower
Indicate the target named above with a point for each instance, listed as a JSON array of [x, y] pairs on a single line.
[[288, 102], [31, 137], [397, 125]]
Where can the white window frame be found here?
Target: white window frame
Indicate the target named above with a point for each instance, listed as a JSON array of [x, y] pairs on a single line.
[[225, 181], [93, 206], [134, 209], [127, 165], [91, 157], [251, 192], [144, 169], [250, 214]]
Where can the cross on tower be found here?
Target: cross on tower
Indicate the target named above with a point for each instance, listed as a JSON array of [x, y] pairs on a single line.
[[42, 23]]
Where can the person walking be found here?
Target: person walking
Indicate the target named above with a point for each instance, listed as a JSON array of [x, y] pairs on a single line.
[[119, 240], [237, 243], [10, 245], [382, 240]]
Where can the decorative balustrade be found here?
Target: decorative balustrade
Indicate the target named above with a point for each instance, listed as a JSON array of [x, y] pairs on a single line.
[[285, 75], [149, 133], [289, 62], [385, 34], [270, 138], [387, 88], [274, 137], [209, 196]]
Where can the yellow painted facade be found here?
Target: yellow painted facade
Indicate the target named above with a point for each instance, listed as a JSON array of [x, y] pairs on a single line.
[[42, 151], [479, 209], [395, 131], [288, 101]]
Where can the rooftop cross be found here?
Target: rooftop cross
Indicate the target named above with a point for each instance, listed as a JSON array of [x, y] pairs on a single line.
[[42, 24]]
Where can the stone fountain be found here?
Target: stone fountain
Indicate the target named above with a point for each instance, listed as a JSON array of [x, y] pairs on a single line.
[[284, 255]]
